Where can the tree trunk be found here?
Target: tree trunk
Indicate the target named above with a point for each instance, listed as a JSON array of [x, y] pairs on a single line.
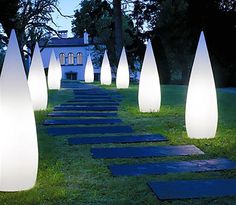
[[118, 28]]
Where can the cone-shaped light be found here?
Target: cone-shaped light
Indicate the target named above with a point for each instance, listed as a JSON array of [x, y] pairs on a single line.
[[149, 94], [122, 76], [37, 81], [201, 114], [89, 73], [18, 137], [105, 77], [54, 73]]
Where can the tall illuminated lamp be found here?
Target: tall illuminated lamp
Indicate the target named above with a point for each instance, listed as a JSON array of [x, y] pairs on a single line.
[[89, 72], [122, 75], [201, 115], [105, 77], [149, 93], [18, 137], [54, 73], [37, 81]]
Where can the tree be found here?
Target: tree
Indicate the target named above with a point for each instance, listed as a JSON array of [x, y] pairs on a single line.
[[8, 15], [176, 25], [217, 19], [118, 27], [29, 18], [97, 17]]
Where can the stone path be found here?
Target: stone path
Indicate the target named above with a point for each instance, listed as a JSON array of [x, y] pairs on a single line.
[[94, 111]]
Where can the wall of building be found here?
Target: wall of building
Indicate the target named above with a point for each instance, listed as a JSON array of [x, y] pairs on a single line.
[[76, 68]]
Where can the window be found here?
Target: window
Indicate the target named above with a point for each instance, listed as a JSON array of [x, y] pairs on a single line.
[[79, 58], [71, 59], [62, 58]]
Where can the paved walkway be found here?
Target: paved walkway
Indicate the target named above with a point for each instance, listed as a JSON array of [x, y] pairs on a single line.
[[76, 85], [228, 90], [81, 112], [84, 86]]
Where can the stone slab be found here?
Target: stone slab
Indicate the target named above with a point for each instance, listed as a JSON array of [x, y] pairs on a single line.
[[97, 96], [90, 108], [82, 114], [91, 104], [81, 121], [97, 93], [172, 167], [190, 189], [151, 151], [92, 100], [117, 139], [89, 130]]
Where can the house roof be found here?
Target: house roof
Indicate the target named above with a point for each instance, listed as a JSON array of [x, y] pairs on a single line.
[[66, 42]]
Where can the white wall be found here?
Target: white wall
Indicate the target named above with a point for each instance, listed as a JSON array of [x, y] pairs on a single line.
[[79, 69]]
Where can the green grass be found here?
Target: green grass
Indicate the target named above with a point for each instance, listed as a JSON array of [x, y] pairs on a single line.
[[69, 175]]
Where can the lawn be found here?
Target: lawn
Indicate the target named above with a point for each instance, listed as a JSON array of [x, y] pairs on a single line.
[[68, 174]]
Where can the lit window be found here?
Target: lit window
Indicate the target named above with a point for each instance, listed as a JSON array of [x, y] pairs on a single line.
[[79, 58], [71, 59], [62, 58]]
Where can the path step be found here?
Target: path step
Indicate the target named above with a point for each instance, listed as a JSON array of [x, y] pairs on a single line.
[[88, 108], [116, 139], [82, 114], [189, 189], [81, 121], [93, 97], [89, 130], [92, 100], [91, 104], [172, 167], [96, 96], [96, 91], [151, 151]]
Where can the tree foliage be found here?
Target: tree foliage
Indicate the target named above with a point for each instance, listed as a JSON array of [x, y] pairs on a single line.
[[29, 18], [176, 25], [96, 17]]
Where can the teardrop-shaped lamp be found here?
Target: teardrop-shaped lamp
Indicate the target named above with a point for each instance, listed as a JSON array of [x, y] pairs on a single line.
[[89, 72], [37, 81], [18, 137], [54, 73], [149, 93], [105, 77], [201, 115], [122, 76]]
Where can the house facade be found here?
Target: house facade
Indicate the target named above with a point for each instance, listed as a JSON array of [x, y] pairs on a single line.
[[72, 53]]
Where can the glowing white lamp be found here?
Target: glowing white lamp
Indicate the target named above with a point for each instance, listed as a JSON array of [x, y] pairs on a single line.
[[106, 77], [149, 94], [122, 76], [18, 137], [201, 115], [37, 81], [54, 73], [89, 73]]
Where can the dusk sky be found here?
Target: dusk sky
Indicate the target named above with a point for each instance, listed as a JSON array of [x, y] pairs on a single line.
[[67, 7]]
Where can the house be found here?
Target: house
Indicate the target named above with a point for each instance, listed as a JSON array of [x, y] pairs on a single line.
[[73, 53]]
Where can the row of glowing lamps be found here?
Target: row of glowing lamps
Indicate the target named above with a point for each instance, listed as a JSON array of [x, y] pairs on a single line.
[[19, 99]]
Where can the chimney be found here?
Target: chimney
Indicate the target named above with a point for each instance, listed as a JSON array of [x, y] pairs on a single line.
[[63, 33], [86, 41]]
